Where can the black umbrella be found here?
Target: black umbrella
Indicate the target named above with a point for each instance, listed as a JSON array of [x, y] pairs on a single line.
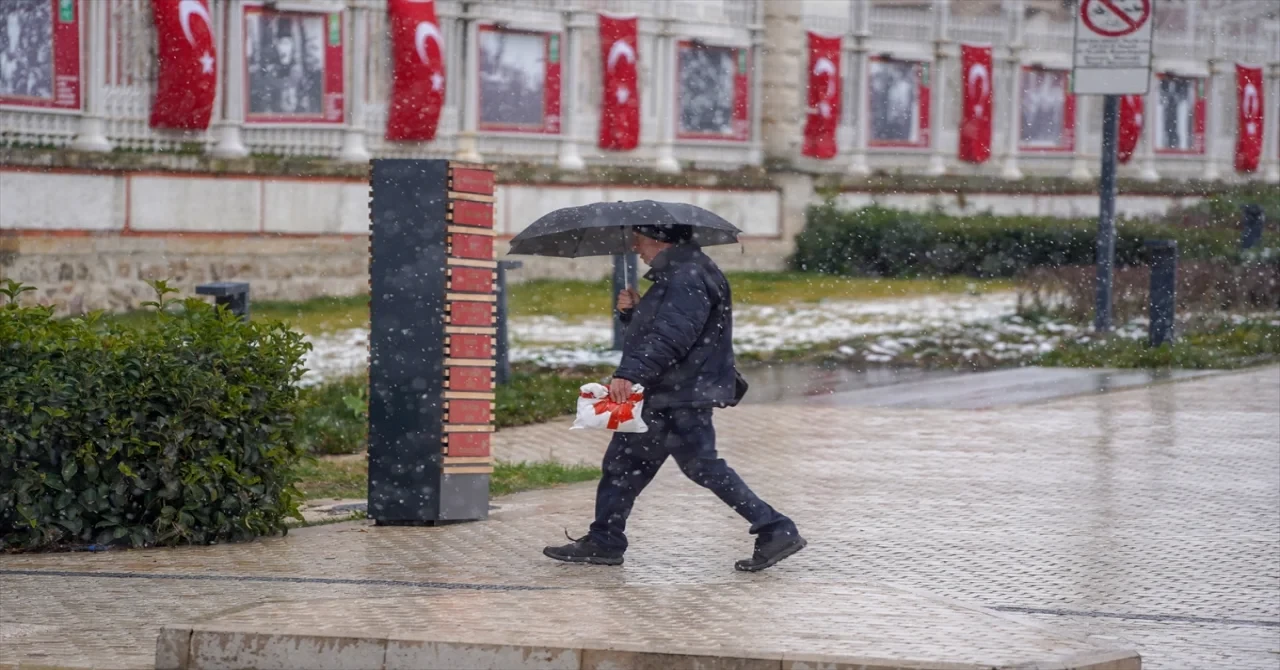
[[604, 228]]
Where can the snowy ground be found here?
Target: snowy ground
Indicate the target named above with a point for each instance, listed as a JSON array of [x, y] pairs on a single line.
[[555, 341], [884, 331]]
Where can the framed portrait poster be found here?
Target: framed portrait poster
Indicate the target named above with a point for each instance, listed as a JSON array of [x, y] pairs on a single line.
[[40, 53], [1046, 111], [519, 87], [897, 103], [1181, 114], [293, 66], [713, 99]]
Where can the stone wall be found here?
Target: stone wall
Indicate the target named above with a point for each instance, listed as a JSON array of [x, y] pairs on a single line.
[[88, 230]]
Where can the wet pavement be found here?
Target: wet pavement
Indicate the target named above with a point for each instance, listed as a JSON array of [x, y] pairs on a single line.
[[1145, 519]]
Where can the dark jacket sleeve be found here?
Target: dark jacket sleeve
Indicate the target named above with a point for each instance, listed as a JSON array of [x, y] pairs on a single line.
[[678, 322]]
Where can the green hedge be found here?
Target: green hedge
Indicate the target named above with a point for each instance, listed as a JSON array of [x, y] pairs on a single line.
[[890, 243], [173, 432]]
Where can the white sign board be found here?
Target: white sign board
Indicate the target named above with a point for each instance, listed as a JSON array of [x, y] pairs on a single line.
[[1112, 47]]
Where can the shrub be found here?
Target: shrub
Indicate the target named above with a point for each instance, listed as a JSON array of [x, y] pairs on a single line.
[[1202, 287], [177, 432], [1222, 210], [881, 242]]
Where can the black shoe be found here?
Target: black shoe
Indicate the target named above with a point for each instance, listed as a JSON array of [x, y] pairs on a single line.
[[584, 550], [770, 551]]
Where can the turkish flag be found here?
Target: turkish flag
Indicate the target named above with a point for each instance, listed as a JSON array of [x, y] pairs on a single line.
[[187, 77], [824, 96], [620, 104], [975, 118], [1130, 128], [1249, 106], [417, 58]]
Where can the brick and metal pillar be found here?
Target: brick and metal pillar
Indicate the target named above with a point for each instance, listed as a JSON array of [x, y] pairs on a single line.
[[432, 280]]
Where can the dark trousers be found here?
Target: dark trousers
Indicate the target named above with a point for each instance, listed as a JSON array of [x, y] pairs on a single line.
[[686, 435]]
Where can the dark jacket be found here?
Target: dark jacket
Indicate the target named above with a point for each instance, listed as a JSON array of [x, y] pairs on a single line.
[[679, 339]]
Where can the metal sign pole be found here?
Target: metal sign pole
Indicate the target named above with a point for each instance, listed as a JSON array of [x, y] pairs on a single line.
[[1106, 213]]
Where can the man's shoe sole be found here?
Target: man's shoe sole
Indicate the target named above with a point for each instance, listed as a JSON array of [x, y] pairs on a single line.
[[786, 552], [590, 560]]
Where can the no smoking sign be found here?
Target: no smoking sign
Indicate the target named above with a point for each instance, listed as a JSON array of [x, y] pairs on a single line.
[[1113, 47]]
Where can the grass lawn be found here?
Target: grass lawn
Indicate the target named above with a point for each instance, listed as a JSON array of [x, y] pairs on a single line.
[[575, 299], [1220, 347], [347, 477]]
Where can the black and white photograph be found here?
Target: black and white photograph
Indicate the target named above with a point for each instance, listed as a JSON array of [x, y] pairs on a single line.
[[1043, 108], [513, 78], [1176, 117], [893, 101], [286, 59], [707, 89], [26, 49]]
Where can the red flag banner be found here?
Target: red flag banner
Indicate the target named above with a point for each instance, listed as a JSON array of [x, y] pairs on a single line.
[[187, 71], [976, 113], [824, 96], [620, 104], [418, 72], [1249, 117], [1130, 129]]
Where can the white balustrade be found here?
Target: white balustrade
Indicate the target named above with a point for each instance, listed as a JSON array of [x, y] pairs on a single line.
[[117, 83]]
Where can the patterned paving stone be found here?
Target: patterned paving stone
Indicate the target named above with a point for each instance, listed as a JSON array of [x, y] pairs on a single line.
[[1146, 518]]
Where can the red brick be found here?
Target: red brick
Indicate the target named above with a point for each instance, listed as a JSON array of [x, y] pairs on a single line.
[[468, 444], [471, 181], [471, 280], [470, 379], [472, 246], [470, 411], [467, 213], [469, 313], [470, 346]]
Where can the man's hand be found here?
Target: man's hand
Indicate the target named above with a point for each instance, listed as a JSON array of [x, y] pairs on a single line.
[[627, 300], [619, 390]]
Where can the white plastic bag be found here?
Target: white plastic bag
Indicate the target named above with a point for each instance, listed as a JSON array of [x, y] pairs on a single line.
[[597, 411]]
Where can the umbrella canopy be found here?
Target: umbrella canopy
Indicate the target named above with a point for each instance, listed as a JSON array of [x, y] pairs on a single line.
[[604, 228]]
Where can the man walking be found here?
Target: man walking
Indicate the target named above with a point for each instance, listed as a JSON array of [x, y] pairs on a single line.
[[679, 346]]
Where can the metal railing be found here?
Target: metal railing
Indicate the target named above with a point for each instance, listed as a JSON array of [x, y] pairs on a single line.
[[119, 72]]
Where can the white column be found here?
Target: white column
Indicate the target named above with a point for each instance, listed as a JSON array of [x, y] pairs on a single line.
[[1213, 124], [1010, 168], [229, 143], [1147, 143], [91, 134], [846, 132], [470, 94], [1014, 66], [938, 87], [1271, 127], [856, 78], [570, 91], [664, 86], [1080, 163], [353, 142], [755, 154]]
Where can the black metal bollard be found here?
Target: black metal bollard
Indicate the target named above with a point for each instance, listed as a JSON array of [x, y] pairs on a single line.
[[502, 371], [1252, 220], [233, 295], [1163, 256], [624, 276]]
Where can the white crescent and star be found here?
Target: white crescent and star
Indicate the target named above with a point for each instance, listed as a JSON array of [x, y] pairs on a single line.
[[620, 49], [979, 72], [1250, 105], [185, 9], [824, 66]]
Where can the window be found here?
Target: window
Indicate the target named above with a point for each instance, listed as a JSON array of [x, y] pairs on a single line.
[[40, 53], [1047, 111], [1180, 115], [713, 102], [293, 67], [519, 86], [898, 103]]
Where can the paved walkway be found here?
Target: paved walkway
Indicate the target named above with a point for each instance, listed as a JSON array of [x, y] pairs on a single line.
[[1145, 519]]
